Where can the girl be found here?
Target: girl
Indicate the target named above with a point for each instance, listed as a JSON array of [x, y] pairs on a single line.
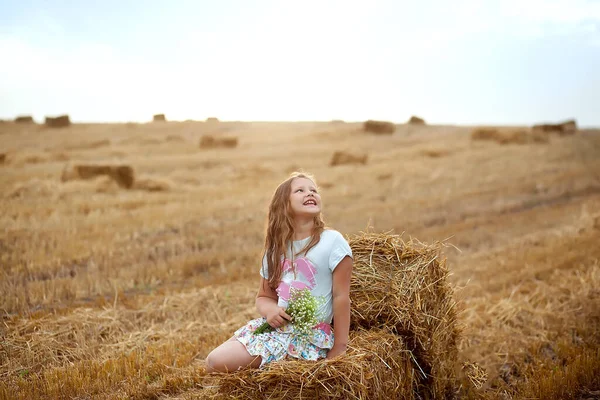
[[299, 253]]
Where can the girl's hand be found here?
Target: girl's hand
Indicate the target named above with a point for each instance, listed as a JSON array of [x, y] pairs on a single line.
[[336, 351], [278, 317]]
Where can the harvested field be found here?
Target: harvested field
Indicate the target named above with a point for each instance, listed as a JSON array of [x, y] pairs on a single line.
[[113, 292]]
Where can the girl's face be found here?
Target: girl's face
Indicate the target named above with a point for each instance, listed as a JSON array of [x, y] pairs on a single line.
[[304, 198]]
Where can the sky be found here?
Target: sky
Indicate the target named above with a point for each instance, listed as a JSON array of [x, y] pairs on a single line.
[[508, 62]]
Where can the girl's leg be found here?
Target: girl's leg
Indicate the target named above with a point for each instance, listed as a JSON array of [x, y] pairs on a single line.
[[231, 356]]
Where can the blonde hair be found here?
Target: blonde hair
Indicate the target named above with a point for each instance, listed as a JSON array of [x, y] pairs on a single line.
[[280, 228]]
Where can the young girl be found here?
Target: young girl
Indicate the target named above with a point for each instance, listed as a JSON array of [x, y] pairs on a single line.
[[299, 253]]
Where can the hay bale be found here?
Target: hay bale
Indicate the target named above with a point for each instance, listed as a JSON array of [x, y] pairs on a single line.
[[414, 120], [484, 133], [123, 175], [568, 127], [212, 120], [211, 142], [404, 287], [24, 119], [62, 121], [377, 365], [159, 118], [379, 127], [341, 158]]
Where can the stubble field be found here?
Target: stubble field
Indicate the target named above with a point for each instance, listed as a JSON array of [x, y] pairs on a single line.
[[109, 292]]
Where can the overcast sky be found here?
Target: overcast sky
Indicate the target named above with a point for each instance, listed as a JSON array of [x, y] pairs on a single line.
[[459, 62]]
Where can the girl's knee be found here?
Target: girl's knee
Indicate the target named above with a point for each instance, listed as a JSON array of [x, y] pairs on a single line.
[[212, 363]]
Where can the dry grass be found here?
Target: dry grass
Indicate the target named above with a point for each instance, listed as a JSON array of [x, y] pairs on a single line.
[[122, 293]]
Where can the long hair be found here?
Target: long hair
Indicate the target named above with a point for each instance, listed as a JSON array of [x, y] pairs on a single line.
[[280, 228]]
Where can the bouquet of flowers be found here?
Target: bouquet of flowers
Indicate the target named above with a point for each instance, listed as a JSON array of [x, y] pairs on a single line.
[[302, 307]]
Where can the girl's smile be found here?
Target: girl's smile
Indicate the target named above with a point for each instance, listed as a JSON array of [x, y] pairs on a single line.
[[304, 197]]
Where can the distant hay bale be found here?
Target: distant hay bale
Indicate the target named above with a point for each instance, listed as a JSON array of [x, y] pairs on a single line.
[[123, 175], [379, 127], [151, 184], [211, 142], [484, 134], [377, 365], [414, 120], [159, 118], [342, 158], [568, 127], [24, 119], [404, 286], [212, 119], [62, 121], [510, 136]]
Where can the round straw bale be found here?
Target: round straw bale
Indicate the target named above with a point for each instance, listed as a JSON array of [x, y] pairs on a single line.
[[416, 120], [404, 286], [379, 127], [24, 119], [377, 365], [341, 158], [62, 121], [159, 118]]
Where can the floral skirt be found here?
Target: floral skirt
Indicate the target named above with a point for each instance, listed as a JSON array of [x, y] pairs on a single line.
[[284, 342]]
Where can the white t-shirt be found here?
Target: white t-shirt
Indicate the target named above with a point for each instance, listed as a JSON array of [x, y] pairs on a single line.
[[314, 270]]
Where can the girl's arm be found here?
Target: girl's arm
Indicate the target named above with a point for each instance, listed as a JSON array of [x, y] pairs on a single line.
[[266, 305], [341, 306]]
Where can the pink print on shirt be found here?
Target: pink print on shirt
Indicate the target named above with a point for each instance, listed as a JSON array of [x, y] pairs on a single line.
[[303, 268]]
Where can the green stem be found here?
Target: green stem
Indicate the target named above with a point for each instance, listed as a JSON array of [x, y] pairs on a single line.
[[264, 328]]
